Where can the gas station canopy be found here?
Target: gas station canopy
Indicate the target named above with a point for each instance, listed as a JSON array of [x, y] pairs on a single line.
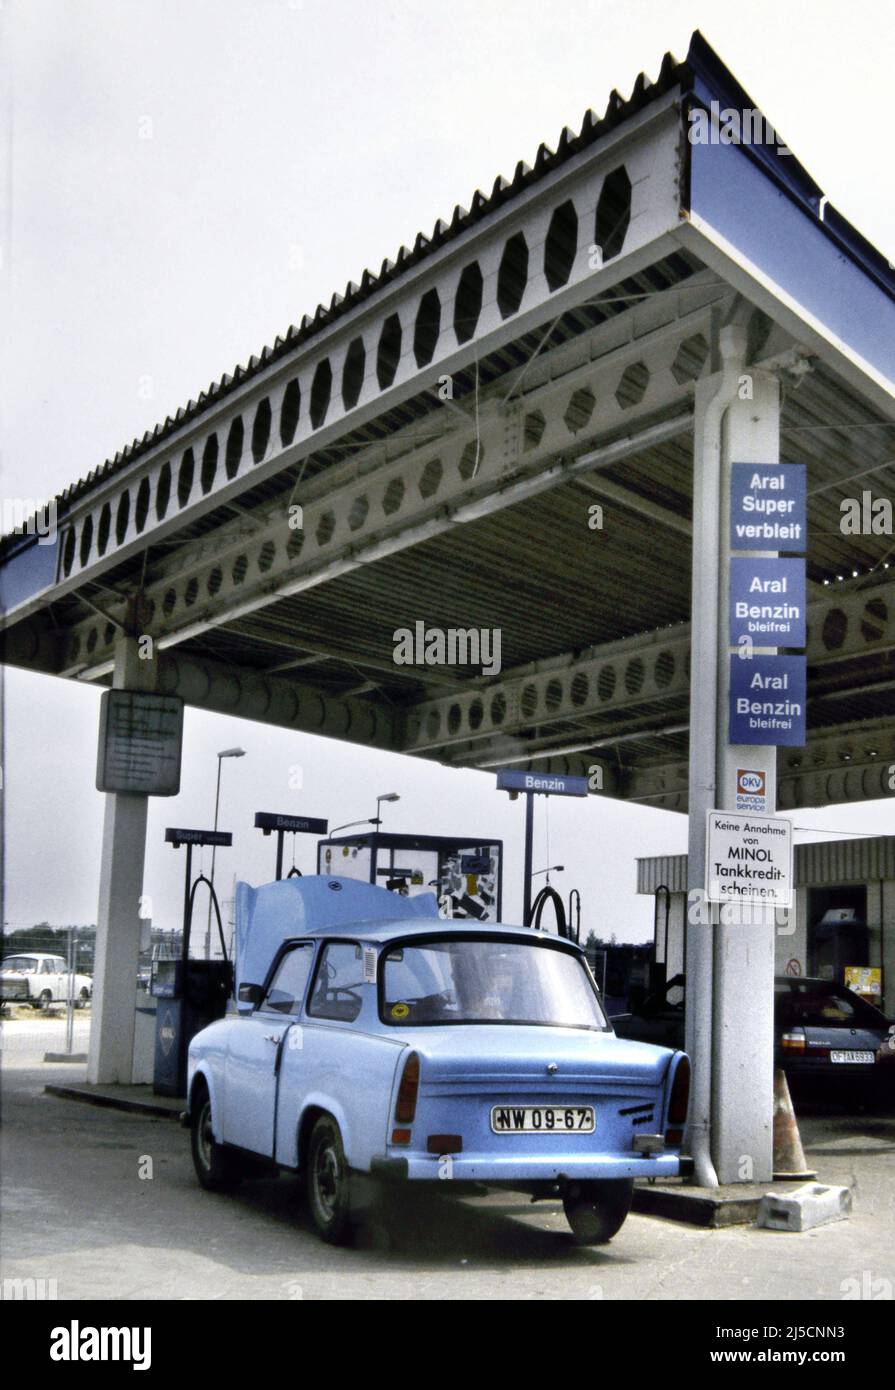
[[495, 431]]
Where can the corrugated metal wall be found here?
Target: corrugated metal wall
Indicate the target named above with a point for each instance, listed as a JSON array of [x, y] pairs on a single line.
[[829, 862]]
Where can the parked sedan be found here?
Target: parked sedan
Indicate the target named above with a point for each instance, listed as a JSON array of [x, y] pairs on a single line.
[[41, 979], [373, 1040], [824, 1034]]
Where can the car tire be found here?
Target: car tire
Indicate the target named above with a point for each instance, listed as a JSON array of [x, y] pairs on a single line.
[[83, 999], [327, 1183], [43, 1001], [597, 1210], [217, 1169]]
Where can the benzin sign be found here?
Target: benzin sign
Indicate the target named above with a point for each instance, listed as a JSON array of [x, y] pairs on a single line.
[[748, 859]]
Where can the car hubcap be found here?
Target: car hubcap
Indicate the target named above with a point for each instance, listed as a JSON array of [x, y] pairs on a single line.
[[206, 1137], [327, 1180]]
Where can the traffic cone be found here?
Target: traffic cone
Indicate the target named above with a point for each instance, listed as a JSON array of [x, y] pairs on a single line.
[[789, 1156]]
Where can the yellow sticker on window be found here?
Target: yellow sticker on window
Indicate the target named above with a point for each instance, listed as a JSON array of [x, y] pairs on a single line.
[[400, 1010]]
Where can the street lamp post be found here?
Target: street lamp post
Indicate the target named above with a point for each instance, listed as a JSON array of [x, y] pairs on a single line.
[[386, 796], [554, 869], [227, 753], [349, 824]]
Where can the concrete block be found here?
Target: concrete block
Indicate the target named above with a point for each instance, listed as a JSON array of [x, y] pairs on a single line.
[[810, 1205]]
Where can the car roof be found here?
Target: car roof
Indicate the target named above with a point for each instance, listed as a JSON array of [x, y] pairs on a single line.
[[33, 955], [379, 932]]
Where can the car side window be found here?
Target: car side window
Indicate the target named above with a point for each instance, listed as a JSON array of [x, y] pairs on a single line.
[[338, 983], [287, 988], [47, 968]]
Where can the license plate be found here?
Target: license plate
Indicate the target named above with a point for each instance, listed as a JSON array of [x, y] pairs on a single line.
[[852, 1057], [542, 1119]]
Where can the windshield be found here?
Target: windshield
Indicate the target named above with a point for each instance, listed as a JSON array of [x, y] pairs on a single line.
[[488, 980], [27, 964]]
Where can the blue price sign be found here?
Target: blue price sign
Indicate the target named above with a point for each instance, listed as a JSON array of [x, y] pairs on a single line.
[[768, 506], [767, 602], [767, 700], [548, 783]]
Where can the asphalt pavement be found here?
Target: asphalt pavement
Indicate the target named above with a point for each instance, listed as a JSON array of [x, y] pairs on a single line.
[[105, 1204]]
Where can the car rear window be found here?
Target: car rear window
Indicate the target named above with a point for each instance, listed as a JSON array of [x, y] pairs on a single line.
[[813, 1005], [488, 980]]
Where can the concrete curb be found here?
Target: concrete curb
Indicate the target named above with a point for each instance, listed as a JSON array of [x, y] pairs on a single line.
[[156, 1109], [65, 1057], [712, 1208]]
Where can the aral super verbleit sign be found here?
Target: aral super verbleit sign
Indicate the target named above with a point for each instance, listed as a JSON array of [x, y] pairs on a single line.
[[768, 506], [748, 859]]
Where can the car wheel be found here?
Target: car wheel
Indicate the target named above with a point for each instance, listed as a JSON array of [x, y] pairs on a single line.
[[328, 1183], [43, 1001], [216, 1169], [83, 998], [597, 1210]]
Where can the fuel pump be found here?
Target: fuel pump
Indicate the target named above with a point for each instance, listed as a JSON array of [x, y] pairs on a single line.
[[190, 993]]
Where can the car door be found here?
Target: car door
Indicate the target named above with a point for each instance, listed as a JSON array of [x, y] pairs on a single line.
[[254, 1051], [60, 978], [48, 979]]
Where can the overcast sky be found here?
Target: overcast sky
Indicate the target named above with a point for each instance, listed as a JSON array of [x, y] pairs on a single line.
[[184, 179]]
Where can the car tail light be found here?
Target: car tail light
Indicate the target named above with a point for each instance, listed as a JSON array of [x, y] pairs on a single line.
[[794, 1041], [400, 1136], [405, 1108], [678, 1102]]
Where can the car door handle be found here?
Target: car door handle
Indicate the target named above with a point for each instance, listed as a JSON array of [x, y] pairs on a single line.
[[271, 1037]]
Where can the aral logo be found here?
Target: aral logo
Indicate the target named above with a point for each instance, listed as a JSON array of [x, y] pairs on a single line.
[[750, 783], [167, 1033]]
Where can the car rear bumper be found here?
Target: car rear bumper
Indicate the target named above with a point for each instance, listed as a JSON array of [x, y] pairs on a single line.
[[510, 1168]]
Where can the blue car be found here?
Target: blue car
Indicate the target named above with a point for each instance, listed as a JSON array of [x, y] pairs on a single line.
[[373, 1044]]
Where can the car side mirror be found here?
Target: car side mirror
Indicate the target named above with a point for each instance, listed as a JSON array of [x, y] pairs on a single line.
[[251, 994]]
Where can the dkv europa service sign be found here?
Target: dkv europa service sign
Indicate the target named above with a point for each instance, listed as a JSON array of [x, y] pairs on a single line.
[[748, 859]]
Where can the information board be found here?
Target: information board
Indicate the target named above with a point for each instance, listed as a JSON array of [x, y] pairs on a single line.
[[140, 742], [748, 859]]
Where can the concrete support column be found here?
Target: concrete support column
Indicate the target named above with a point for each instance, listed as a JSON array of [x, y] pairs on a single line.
[[730, 964], [743, 1003], [111, 1055]]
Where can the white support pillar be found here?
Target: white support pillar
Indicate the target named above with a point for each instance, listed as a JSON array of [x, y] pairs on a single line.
[[111, 1054], [730, 964], [743, 1022]]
